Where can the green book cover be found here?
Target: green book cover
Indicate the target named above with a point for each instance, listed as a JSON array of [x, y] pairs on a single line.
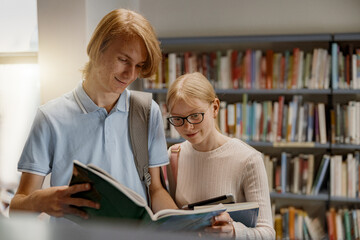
[[119, 202], [347, 224]]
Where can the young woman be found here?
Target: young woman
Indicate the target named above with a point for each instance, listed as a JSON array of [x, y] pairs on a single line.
[[211, 164]]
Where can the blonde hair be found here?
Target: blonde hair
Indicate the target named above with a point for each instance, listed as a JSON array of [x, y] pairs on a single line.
[[126, 24], [189, 86]]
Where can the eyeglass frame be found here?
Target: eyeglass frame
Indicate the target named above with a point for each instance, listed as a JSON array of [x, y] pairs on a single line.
[[186, 118]]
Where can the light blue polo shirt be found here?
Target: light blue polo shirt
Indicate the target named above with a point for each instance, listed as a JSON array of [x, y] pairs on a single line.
[[61, 132]]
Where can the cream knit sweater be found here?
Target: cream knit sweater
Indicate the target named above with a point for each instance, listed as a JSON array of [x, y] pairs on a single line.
[[235, 168]]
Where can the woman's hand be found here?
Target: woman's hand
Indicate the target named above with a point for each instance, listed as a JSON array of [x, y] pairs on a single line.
[[222, 226], [57, 201]]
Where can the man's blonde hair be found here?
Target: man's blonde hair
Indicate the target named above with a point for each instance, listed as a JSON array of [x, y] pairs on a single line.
[[125, 24]]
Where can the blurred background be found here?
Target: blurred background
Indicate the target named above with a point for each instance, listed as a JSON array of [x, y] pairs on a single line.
[[43, 46]]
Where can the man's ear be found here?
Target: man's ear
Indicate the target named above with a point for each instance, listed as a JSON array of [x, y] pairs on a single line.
[[216, 107]]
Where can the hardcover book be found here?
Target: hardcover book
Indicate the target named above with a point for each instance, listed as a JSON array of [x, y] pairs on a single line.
[[119, 202], [244, 212]]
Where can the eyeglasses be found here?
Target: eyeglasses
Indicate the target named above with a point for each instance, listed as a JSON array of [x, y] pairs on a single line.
[[194, 118]]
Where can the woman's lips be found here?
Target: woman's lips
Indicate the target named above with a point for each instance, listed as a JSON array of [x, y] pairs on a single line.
[[191, 135]]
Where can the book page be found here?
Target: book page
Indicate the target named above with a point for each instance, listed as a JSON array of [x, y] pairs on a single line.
[[171, 212], [234, 206]]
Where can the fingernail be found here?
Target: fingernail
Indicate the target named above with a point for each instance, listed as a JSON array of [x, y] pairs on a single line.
[[98, 206]]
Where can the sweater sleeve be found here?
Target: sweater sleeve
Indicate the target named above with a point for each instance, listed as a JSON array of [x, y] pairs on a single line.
[[255, 185]]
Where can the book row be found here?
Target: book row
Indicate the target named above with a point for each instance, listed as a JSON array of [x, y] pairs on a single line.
[[250, 69], [293, 223], [270, 121], [344, 175], [343, 223], [346, 67], [345, 119], [301, 174]]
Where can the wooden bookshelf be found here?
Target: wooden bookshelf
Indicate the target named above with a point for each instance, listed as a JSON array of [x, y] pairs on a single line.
[[329, 96]]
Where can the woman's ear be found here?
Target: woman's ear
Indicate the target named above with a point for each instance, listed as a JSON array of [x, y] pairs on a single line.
[[216, 107]]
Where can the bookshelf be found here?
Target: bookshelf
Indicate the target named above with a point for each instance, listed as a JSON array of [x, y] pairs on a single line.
[[326, 94]]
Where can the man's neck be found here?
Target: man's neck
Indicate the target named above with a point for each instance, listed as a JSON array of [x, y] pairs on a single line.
[[101, 98]]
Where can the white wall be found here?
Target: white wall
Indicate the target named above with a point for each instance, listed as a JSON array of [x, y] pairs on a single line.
[[65, 26], [62, 45], [250, 17]]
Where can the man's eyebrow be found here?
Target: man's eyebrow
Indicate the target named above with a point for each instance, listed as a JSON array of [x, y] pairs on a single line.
[[127, 56]]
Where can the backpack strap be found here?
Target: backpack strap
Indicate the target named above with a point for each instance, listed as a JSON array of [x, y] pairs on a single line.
[[139, 116], [172, 168]]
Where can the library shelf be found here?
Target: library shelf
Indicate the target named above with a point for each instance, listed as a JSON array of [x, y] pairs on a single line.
[[344, 146], [330, 97], [257, 91], [242, 39], [345, 91], [270, 144], [346, 37], [345, 200], [301, 197]]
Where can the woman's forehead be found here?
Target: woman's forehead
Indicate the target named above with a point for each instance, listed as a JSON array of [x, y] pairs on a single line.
[[188, 106]]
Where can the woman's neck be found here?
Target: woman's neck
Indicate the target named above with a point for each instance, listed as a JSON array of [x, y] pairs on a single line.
[[212, 142]]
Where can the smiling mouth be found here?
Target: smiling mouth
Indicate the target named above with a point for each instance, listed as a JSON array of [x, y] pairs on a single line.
[[120, 81], [191, 135]]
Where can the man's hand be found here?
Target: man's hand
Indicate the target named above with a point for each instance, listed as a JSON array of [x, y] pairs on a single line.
[[55, 201]]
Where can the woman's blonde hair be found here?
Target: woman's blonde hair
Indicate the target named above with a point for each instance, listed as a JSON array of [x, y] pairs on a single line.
[[189, 86], [126, 24]]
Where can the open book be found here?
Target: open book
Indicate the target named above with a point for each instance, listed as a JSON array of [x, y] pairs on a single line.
[[119, 202], [244, 212]]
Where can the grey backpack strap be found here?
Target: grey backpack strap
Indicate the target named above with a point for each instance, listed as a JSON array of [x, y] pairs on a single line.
[[139, 115]]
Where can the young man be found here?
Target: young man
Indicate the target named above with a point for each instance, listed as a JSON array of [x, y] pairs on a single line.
[[90, 124]]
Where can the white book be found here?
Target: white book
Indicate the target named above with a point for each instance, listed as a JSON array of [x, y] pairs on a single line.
[[300, 83], [336, 175], [314, 227], [269, 119], [339, 226], [258, 55], [301, 124], [344, 179], [238, 112], [222, 118], [159, 80], [357, 123], [354, 82], [322, 123], [350, 160], [328, 72], [296, 175], [314, 69], [309, 183], [172, 68], [269, 170], [351, 121], [225, 80], [258, 113], [231, 119], [299, 230], [274, 127], [322, 68]]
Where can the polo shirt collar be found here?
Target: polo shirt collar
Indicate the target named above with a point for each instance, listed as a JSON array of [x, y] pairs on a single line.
[[89, 105]]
